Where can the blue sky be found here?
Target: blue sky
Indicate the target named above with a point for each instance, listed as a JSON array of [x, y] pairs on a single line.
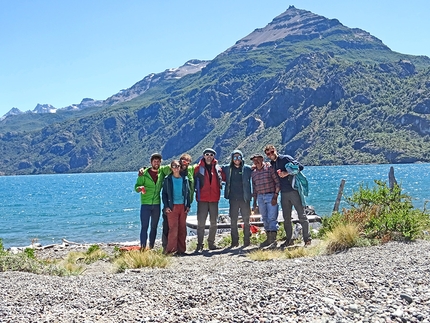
[[59, 52]]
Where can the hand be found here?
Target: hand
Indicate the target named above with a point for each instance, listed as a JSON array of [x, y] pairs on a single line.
[[140, 173], [167, 210], [141, 189], [274, 200], [282, 174], [187, 210]]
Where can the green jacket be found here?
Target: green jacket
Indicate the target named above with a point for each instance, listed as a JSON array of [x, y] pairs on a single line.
[[165, 170], [152, 195]]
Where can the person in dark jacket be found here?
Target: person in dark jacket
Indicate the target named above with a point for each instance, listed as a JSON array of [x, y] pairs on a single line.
[[208, 181], [237, 178], [176, 197], [289, 196]]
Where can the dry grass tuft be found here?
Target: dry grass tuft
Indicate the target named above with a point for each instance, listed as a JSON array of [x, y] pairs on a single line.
[[138, 259], [342, 237]]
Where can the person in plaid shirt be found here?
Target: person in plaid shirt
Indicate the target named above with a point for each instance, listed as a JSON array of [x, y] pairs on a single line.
[[266, 187]]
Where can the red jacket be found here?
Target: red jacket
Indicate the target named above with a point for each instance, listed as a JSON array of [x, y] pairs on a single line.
[[207, 191]]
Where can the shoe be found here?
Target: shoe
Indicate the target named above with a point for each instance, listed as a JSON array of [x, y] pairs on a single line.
[[234, 245], [287, 243], [308, 242], [246, 244], [214, 247], [199, 248]]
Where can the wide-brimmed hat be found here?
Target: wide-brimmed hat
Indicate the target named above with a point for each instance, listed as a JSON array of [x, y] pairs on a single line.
[[256, 155]]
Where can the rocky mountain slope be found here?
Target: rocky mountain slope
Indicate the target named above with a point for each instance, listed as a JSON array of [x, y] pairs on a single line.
[[317, 89]]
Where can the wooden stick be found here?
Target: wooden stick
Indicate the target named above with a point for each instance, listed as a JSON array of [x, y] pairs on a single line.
[[391, 179], [339, 196]]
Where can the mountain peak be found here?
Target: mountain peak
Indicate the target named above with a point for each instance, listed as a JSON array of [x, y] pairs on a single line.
[[44, 108], [297, 25]]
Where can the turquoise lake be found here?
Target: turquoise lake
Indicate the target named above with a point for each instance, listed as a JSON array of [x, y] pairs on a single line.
[[103, 207]]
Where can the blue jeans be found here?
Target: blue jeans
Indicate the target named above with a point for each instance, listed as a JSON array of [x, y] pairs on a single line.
[[149, 212], [269, 212]]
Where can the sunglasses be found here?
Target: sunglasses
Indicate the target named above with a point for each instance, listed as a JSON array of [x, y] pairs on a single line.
[[185, 161], [209, 154], [271, 152], [237, 158], [175, 166]]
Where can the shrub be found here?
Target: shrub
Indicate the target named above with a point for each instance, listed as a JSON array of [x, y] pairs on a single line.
[[386, 214], [376, 214]]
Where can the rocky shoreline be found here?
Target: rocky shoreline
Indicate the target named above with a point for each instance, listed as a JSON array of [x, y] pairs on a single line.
[[387, 283]]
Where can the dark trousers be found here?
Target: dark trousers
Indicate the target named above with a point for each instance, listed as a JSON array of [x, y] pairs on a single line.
[[165, 232], [288, 199], [149, 213], [203, 208], [245, 211]]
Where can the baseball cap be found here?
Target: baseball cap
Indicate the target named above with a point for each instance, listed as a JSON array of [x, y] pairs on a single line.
[[209, 150]]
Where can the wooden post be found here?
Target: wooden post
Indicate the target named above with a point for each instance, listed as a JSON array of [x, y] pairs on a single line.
[[339, 196], [391, 179]]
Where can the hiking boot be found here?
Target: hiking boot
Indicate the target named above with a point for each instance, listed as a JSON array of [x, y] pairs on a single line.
[[234, 245], [308, 243], [269, 239], [213, 247], [199, 248], [287, 243]]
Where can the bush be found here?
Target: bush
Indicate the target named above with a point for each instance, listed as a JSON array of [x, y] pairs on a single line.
[[378, 213], [386, 214]]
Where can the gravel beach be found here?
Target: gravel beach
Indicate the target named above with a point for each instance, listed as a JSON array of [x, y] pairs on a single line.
[[387, 283]]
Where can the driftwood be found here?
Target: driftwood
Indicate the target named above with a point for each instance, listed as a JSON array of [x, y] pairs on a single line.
[[71, 242], [391, 179], [339, 196]]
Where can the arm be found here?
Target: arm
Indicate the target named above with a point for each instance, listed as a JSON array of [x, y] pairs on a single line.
[[140, 182], [165, 196]]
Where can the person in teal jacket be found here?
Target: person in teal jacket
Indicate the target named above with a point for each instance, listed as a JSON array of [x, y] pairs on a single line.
[[186, 170], [176, 196], [149, 185]]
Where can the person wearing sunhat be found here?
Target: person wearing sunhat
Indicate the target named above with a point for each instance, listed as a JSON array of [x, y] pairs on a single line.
[[208, 184], [149, 187], [266, 186]]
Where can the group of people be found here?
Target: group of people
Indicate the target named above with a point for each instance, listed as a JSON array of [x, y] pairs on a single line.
[[180, 181]]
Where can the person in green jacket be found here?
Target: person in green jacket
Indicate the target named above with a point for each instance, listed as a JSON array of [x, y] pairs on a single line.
[[149, 185]]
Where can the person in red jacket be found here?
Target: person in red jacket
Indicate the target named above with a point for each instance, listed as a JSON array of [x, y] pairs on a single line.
[[208, 183]]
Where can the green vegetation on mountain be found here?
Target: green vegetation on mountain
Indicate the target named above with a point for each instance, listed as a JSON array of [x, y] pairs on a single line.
[[318, 90]]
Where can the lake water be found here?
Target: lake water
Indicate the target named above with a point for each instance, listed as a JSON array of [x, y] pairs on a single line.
[[103, 207]]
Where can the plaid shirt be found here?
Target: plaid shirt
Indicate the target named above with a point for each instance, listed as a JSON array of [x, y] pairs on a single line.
[[265, 181]]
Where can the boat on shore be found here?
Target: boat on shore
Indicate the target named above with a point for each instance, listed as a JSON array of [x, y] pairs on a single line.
[[224, 225]]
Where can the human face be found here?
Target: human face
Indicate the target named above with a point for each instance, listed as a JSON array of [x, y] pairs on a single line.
[[237, 160], [155, 163], [209, 157], [175, 167], [272, 154], [184, 163], [258, 162]]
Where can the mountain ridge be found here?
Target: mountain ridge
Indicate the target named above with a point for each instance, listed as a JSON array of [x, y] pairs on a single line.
[[324, 93]]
